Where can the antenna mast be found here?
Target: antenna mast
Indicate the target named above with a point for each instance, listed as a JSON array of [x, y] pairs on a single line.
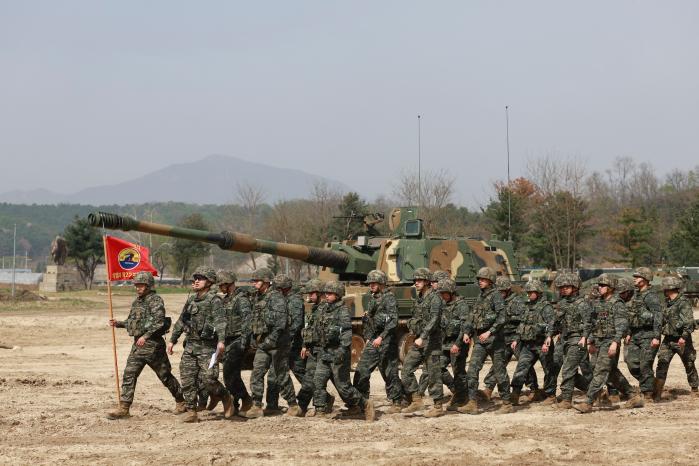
[[509, 187]]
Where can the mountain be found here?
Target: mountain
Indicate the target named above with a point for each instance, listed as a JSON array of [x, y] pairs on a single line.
[[212, 180]]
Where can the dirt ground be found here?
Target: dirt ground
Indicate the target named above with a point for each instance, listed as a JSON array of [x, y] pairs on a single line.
[[56, 383]]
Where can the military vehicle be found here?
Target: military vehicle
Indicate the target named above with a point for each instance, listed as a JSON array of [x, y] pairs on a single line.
[[407, 248]]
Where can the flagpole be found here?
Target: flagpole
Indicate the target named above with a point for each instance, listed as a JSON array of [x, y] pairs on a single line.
[[111, 317]]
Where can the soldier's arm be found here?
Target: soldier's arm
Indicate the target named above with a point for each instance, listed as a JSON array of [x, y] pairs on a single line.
[[653, 304], [434, 316], [245, 309], [278, 309], [549, 317], [588, 318], [621, 323], [462, 312], [297, 315], [498, 306], [181, 324], [687, 317], [219, 316], [156, 307], [391, 306], [345, 322]]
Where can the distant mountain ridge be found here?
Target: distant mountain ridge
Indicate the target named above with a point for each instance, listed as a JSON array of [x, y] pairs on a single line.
[[211, 180]]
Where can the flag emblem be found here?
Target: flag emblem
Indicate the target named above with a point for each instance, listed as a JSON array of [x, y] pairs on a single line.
[[129, 258]]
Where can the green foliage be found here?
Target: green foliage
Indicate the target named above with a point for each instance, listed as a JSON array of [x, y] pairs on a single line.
[[185, 252], [633, 236], [352, 211], [683, 246], [85, 248]]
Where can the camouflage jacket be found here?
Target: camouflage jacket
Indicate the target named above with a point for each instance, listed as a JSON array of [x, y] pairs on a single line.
[[487, 315], [334, 326], [645, 314], [146, 318], [269, 320], [202, 319], [572, 317], [536, 322], [678, 318], [237, 310], [381, 317], [431, 334], [454, 315], [514, 309], [310, 332], [297, 317], [609, 320]]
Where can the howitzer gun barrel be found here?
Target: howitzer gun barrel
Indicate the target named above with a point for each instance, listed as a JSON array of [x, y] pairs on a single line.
[[227, 240]]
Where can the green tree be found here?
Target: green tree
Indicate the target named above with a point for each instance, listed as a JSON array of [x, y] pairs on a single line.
[[185, 252], [351, 221], [508, 213], [633, 236], [85, 248], [683, 246]]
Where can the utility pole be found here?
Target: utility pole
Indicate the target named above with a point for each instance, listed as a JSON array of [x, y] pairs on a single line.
[[14, 257], [509, 187], [419, 162]]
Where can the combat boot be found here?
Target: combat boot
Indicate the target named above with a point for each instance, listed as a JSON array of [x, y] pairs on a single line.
[[506, 407], [180, 407], [435, 411], [294, 411], [254, 412], [614, 399], [537, 395], [648, 396], [486, 393], [227, 406], [514, 397], [550, 400], [120, 411], [658, 390], [603, 400], [564, 404], [470, 408], [311, 413], [353, 410], [695, 391], [636, 401], [213, 402], [455, 403], [395, 408], [416, 405], [369, 411], [331, 403], [245, 404], [583, 408], [191, 416], [273, 411]]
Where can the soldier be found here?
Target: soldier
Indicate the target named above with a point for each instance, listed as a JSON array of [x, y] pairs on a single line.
[[531, 336], [314, 290], [514, 309], [572, 322], [204, 322], [608, 327], [147, 324], [485, 328], [426, 325], [292, 342], [381, 350], [269, 325], [677, 328], [454, 351], [334, 327], [645, 327], [236, 308]]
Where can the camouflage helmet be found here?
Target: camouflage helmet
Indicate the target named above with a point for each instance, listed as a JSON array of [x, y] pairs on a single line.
[[446, 285], [335, 287], [607, 279], [503, 284], [645, 273], [225, 277], [487, 273], [282, 281], [376, 276], [422, 273], [672, 283], [624, 284], [567, 279], [206, 272], [439, 275], [534, 285], [262, 274], [313, 285], [144, 278]]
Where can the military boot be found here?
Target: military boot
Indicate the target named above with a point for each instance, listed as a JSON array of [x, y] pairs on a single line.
[[470, 408], [695, 391], [455, 403], [191, 416], [369, 411], [636, 401], [603, 400], [537, 395], [255, 412], [648, 396], [564, 404], [311, 413], [435, 411], [583, 408], [486, 393], [416, 405], [294, 411], [614, 399], [395, 407], [180, 407], [658, 390], [331, 403], [273, 411], [514, 397], [506, 407], [353, 410], [550, 400], [227, 406], [213, 401], [120, 411]]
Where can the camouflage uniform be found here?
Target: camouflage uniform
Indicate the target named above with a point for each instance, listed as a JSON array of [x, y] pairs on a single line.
[[380, 320], [204, 322], [237, 310], [147, 319], [645, 324], [310, 341], [532, 331], [455, 314], [677, 322]]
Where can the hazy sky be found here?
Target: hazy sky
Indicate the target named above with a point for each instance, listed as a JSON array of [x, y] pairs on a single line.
[[96, 92]]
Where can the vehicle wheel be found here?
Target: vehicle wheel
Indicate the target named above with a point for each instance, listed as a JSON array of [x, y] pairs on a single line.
[[404, 344], [357, 348]]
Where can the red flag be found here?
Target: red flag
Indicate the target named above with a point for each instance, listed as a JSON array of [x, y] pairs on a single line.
[[125, 259]]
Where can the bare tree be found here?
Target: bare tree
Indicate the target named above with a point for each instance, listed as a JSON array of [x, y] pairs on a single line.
[[436, 190], [250, 198]]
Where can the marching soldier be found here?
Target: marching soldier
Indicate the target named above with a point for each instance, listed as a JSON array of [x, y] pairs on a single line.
[[147, 324], [454, 350]]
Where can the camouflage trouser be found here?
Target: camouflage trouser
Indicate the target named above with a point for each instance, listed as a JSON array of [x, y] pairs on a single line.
[[668, 348], [305, 394], [276, 361], [458, 383], [529, 353], [495, 348], [153, 355], [532, 382], [605, 370], [431, 375], [386, 359], [639, 356], [296, 363], [197, 379], [574, 356], [334, 363], [232, 364], [274, 381]]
